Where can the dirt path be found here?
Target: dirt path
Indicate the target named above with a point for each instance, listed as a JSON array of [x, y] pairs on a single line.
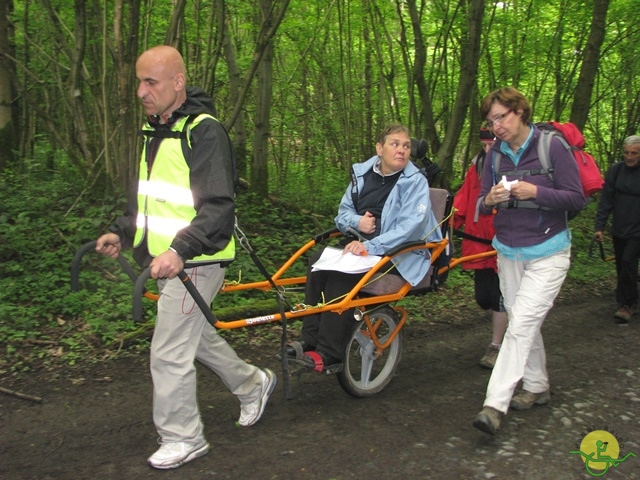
[[96, 423]]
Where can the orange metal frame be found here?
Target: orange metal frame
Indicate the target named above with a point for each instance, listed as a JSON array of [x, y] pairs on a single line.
[[350, 300]]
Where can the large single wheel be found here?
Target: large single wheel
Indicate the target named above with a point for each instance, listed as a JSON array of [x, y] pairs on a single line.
[[366, 372]]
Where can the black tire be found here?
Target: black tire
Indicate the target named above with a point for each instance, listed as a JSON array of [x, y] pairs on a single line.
[[364, 374]]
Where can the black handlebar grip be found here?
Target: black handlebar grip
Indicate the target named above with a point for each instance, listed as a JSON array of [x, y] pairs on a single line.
[[138, 292], [206, 309], [75, 264]]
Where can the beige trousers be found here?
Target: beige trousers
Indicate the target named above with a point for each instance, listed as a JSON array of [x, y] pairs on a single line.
[[182, 335]]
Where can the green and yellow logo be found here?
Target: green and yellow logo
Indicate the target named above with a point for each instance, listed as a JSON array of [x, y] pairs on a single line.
[[600, 450]]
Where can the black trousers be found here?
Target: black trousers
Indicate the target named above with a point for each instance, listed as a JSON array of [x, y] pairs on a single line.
[[487, 289], [329, 332], [627, 253]]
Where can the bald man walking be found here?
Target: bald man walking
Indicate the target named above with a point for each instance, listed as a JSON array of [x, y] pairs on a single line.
[[184, 219]]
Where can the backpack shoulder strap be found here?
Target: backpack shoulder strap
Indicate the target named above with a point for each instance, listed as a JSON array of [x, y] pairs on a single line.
[[497, 174], [185, 136], [495, 165], [617, 172], [185, 133], [544, 146], [186, 142], [544, 143], [482, 155]]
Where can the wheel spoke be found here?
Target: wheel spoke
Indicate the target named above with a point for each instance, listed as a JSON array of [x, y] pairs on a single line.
[[365, 342], [365, 370]]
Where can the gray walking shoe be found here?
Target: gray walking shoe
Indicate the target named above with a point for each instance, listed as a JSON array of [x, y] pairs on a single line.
[[525, 400], [490, 357], [488, 420]]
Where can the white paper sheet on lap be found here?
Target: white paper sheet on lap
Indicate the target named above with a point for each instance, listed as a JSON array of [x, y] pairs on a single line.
[[333, 259]]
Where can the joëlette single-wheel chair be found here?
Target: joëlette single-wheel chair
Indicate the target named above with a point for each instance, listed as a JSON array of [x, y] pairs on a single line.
[[374, 349]]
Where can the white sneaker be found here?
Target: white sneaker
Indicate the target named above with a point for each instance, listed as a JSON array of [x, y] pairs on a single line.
[[174, 454], [251, 412]]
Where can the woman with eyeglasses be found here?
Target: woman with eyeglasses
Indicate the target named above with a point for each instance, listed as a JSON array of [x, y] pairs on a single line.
[[533, 244]]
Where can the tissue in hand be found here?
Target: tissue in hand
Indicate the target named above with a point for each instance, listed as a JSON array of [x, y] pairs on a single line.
[[507, 184]]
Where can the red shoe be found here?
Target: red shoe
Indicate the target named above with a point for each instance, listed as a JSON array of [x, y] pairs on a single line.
[[322, 362], [296, 350]]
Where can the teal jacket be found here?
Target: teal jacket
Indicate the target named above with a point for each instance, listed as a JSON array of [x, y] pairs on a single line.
[[406, 217]]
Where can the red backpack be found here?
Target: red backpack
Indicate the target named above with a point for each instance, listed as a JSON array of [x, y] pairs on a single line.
[[572, 139], [590, 175]]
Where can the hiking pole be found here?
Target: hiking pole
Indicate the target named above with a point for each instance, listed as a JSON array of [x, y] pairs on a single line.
[[592, 244], [601, 248]]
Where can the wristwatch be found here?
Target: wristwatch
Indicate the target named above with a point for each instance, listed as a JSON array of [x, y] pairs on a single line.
[[179, 256]]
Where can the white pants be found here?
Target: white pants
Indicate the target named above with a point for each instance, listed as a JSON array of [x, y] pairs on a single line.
[[182, 335], [529, 289]]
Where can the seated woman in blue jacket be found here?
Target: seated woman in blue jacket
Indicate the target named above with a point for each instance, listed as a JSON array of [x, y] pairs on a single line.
[[388, 204]]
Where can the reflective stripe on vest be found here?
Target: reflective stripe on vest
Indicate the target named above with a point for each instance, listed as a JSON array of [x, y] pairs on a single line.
[[165, 200]]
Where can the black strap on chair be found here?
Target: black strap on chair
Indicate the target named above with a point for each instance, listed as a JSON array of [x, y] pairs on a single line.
[[282, 303], [473, 238]]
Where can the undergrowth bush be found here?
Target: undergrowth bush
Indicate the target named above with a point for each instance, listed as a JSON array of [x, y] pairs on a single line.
[[43, 223]]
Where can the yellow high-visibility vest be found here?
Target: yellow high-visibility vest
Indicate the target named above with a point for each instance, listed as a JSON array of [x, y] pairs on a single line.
[[165, 201]]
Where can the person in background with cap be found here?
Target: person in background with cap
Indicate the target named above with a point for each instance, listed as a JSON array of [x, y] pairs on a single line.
[[476, 238]]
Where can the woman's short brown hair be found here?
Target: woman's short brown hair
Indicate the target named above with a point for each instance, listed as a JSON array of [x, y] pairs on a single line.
[[511, 98], [392, 128]]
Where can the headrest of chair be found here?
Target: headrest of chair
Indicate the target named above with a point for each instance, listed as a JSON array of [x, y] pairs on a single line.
[[439, 202], [419, 148]]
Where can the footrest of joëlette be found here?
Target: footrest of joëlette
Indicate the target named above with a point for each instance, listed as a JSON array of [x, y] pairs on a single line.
[[321, 363], [301, 365]]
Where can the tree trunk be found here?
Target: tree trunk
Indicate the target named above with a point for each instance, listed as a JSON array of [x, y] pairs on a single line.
[[420, 81], [8, 117], [259, 167], [272, 20], [172, 36], [235, 85], [369, 76], [122, 163], [76, 100], [589, 69], [468, 75]]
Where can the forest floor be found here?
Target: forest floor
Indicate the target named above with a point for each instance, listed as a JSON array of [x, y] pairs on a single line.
[[94, 421]]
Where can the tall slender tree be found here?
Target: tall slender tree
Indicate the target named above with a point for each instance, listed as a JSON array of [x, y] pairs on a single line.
[[470, 53], [259, 166], [7, 74], [590, 62]]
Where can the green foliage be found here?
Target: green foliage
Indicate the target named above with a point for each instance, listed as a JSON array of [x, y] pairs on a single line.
[[313, 184], [336, 80], [588, 270], [42, 224]]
